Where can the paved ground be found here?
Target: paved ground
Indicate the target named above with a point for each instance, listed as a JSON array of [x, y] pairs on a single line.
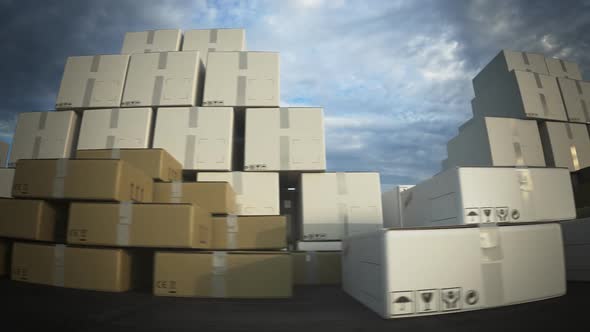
[[311, 309]]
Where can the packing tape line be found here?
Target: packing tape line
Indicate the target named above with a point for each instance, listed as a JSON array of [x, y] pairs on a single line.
[[342, 192], [544, 104], [237, 182], [37, 147], [563, 66], [285, 152], [42, 121], [59, 262], [157, 91], [193, 117], [189, 151], [491, 264], [115, 153], [538, 80], [125, 221], [573, 151], [150, 37], [213, 36], [525, 58], [233, 230], [95, 64], [243, 61], [61, 171], [110, 142], [526, 187], [88, 90], [341, 183], [519, 158], [284, 117], [312, 268], [162, 60], [176, 192], [579, 87], [219, 269], [241, 91], [114, 118]]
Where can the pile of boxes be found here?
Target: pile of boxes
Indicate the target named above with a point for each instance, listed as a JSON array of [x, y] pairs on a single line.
[[482, 233], [173, 164]]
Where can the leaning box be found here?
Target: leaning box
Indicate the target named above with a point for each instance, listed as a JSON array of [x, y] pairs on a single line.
[[408, 273]]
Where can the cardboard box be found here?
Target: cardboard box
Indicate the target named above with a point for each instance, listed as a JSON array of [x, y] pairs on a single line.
[[336, 205], [490, 141], [505, 62], [156, 163], [4, 257], [576, 98], [566, 144], [319, 246], [152, 41], [223, 274], [285, 139], [42, 135], [249, 232], [92, 82], [317, 268], [4, 153], [392, 206], [522, 95], [565, 69], [473, 195], [140, 225], [101, 180], [214, 40], [117, 128], [576, 241], [163, 79], [249, 79], [32, 220], [6, 180], [108, 270], [470, 268], [201, 138], [215, 197], [256, 193]]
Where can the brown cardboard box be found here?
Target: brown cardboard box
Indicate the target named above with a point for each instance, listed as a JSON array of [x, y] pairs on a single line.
[[156, 163], [223, 274], [249, 232], [108, 180], [140, 225], [317, 268], [71, 267], [215, 197], [4, 257], [31, 219]]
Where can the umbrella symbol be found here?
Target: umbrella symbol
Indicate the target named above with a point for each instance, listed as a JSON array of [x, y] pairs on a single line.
[[402, 301]]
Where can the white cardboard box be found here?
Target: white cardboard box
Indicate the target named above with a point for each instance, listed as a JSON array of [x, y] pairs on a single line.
[[285, 139], [249, 79], [6, 179], [152, 41], [118, 128], [576, 98], [319, 246], [201, 138], [163, 79], [521, 94], [4, 147], [491, 141], [392, 206], [214, 40], [473, 195], [92, 82], [565, 69], [566, 144], [256, 193], [419, 272], [44, 135], [576, 241], [505, 62], [336, 205]]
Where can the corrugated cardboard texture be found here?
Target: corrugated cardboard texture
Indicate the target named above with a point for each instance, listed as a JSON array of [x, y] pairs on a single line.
[[237, 275], [250, 232], [317, 268], [147, 225], [4, 257], [156, 163], [109, 180], [31, 220], [215, 197], [83, 268]]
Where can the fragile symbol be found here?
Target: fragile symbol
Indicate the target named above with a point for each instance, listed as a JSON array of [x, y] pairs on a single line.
[[502, 213], [487, 212], [403, 303], [402, 300], [472, 215], [515, 214], [450, 298], [427, 301], [471, 298]]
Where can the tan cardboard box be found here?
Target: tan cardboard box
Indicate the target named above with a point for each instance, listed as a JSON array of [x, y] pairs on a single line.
[[576, 98], [156, 163], [215, 197], [566, 144], [107, 270], [223, 274], [152, 41], [4, 257], [31, 219], [317, 268], [6, 179], [214, 40], [564, 69], [249, 232], [139, 225], [108, 180]]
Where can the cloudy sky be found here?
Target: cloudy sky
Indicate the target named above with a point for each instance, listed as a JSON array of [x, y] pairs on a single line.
[[393, 76]]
